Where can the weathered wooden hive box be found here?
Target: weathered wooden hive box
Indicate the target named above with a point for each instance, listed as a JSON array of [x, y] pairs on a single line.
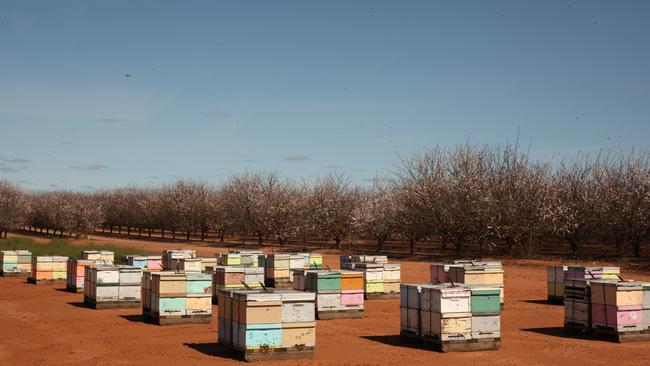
[[48, 270], [171, 258], [110, 286], [261, 325], [15, 262], [76, 272], [277, 270]]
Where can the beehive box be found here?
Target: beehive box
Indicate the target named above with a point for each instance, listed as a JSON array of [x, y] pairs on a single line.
[[138, 261], [577, 305], [111, 287], [48, 270], [171, 258], [178, 298], [267, 325], [101, 255], [617, 306], [445, 319], [15, 262], [555, 283], [277, 270], [76, 272], [208, 262], [189, 265], [154, 263], [479, 274]]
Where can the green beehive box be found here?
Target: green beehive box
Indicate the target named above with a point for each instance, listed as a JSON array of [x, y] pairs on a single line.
[[486, 300], [323, 281]]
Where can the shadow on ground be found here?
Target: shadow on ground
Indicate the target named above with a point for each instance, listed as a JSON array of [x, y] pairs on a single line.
[[78, 304], [559, 332], [398, 341], [214, 349], [137, 318]]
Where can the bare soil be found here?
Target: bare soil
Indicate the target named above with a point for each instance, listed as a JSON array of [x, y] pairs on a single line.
[[43, 325]]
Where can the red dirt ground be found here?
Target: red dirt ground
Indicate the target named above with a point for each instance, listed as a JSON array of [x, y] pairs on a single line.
[[42, 325]]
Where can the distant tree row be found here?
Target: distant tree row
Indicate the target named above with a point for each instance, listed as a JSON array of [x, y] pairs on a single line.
[[488, 195]]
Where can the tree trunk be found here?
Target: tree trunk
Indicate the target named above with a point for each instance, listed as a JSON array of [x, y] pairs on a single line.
[[202, 234], [380, 244], [221, 235], [281, 240], [444, 243], [412, 246], [162, 234], [510, 243], [174, 234], [458, 245], [260, 239], [574, 247], [636, 245], [128, 230], [149, 229], [187, 237], [139, 232], [110, 229]]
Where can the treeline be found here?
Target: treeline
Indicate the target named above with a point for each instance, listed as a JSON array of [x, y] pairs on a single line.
[[493, 196]]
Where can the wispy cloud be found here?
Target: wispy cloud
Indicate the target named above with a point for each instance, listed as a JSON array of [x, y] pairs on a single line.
[[93, 167], [111, 120], [296, 158], [217, 113], [333, 167], [17, 161], [8, 169]]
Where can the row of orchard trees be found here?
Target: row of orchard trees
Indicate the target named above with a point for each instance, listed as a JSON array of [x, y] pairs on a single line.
[[489, 195]]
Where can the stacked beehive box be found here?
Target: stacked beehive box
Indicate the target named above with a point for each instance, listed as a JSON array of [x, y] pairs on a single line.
[[339, 294], [265, 325], [76, 272], [381, 281], [177, 298], [229, 259], [447, 319], [110, 286], [577, 304], [15, 262], [312, 260], [646, 306], [235, 278], [617, 309], [349, 262], [104, 255], [138, 261], [48, 270], [555, 283], [277, 272], [171, 259], [208, 262], [150, 262], [479, 274]]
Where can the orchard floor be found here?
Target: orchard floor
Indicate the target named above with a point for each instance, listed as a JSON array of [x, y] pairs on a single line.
[[43, 325]]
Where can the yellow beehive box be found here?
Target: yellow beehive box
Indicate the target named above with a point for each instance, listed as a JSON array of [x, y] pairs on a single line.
[[375, 287], [299, 334], [616, 293]]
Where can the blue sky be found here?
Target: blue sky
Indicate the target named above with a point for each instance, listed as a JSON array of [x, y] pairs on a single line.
[[97, 94]]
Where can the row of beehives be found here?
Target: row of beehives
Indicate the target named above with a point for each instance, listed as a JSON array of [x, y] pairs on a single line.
[[339, 294], [381, 279], [450, 317], [470, 274], [606, 307], [265, 324], [557, 274]]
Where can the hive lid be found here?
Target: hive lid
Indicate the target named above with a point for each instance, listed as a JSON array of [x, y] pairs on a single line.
[[23, 252], [230, 269], [253, 270], [485, 291], [392, 266], [126, 269], [136, 257], [290, 295], [57, 258], [154, 257], [199, 277], [105, 267], [346, 273], [257, 296], [369, 266], [9, 252]]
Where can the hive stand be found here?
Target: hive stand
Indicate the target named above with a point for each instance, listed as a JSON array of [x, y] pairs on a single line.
[[74, 289], [468, 345], [381, 295], [339, 314], [14, 274], [177, 319], [110, 304], [612, 334], [34, 281], [265, 353]]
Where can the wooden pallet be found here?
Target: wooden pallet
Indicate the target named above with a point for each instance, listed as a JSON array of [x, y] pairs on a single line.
[[110, 304], [46, 282], [265, 354], [75, 289], [612, 334], [576, 328], [276, 284], [14, 274], [339, 314], [555, 300], [177, 319], [382, 295], [467, 345]]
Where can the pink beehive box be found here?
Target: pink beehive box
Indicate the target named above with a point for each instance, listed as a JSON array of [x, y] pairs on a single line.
[[616, 316]]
